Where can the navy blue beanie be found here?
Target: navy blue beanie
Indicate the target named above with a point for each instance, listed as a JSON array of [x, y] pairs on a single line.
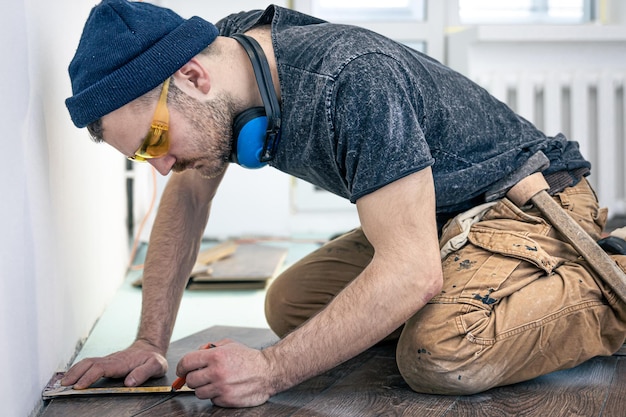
[[127, 49]]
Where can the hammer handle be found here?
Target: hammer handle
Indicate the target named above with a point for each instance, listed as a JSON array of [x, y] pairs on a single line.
[[533, 188]]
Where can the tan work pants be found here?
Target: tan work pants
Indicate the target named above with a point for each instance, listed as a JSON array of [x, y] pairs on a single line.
[[517, 302]]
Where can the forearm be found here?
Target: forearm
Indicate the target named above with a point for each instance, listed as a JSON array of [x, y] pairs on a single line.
[[171, 254], [361, 315], [172, 250]]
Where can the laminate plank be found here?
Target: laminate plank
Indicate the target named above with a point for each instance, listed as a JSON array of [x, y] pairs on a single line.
[[175, 405]]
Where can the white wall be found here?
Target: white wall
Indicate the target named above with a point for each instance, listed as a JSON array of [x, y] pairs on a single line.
[[63, 246]]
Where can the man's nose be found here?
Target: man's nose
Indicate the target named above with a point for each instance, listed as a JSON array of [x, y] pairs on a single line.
[[163, 164]]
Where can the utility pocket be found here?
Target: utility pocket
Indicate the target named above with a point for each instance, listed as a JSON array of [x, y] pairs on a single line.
[[514, 244]]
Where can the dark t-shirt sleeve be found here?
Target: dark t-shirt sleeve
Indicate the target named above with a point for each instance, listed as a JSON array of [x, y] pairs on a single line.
[[377, 118]]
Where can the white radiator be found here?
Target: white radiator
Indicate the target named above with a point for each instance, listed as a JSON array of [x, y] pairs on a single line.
[[586, 107]]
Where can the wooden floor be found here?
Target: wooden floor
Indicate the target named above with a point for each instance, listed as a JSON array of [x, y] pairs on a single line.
[[370, 385]]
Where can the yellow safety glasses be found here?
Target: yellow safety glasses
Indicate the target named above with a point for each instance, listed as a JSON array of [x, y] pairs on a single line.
[[157, 141]]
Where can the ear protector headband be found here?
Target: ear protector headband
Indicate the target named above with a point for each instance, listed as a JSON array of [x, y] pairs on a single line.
[[256, 131]]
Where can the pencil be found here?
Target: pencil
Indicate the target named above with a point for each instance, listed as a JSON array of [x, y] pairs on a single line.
[[180, 381]]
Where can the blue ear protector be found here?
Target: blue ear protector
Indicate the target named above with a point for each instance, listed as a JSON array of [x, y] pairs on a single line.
[[256, 131]]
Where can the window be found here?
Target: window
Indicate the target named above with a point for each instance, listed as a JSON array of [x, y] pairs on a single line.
[[372, 10], [526, 11]]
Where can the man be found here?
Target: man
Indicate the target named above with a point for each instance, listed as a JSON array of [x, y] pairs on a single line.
[[406, 139]]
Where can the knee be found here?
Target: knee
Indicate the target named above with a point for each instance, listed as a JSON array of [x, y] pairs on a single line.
[[442, 366], [441, 377]]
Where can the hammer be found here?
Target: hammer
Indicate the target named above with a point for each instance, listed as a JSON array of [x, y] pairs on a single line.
[[533, 188]]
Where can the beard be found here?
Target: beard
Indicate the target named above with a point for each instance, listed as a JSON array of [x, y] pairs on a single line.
[[210, 136]]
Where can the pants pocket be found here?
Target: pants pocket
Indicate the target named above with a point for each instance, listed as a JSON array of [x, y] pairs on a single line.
[[514, 244]]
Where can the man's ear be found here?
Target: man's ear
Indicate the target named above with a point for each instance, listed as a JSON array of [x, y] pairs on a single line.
[[193, 76]]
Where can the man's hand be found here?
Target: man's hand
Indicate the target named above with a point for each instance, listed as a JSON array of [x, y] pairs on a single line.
[[137, 363], [230, 375]]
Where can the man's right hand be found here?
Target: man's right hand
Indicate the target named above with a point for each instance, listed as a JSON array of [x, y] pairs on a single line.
[[139, 362]]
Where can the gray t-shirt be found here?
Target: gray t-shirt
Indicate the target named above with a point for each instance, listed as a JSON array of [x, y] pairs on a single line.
[[360, 111]]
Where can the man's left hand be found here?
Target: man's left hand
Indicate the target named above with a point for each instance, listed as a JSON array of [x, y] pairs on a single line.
[[230, 375]]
